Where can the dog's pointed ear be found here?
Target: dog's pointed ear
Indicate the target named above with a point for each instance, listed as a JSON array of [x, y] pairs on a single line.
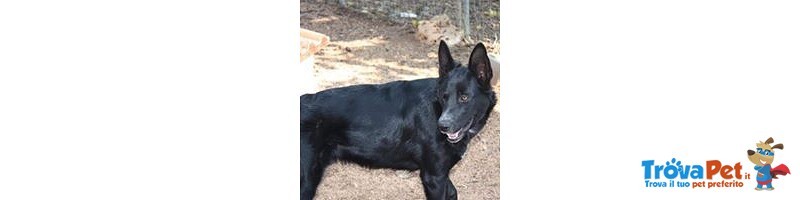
[[480, 65], [445, 59], [769, 141], [778, 146]]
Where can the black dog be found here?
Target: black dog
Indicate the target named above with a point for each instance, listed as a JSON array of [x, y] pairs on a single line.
[[422, 124]]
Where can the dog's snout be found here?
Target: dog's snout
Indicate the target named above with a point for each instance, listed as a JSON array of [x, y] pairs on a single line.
[[750, 152], [444, 128], [444, 124]]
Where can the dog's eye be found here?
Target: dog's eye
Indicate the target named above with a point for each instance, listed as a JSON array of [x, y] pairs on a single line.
[[463, 98]]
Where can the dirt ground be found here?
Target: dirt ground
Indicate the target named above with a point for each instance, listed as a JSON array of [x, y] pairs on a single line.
[[367, 49]]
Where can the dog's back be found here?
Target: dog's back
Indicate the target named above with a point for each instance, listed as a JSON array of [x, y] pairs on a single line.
[[368, 124]]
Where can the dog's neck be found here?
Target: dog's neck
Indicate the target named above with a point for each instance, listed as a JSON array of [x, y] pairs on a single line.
[[460, 147]]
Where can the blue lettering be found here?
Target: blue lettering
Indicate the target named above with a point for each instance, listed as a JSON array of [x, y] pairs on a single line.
[[697, 172], [671, 170], [646, 164]]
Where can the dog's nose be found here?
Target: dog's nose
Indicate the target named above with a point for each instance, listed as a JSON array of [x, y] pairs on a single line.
[[750, 152], [445, 124], [443, 128]]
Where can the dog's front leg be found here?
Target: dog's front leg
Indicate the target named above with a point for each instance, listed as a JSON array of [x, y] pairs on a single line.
[[437, 185], [451, 190]]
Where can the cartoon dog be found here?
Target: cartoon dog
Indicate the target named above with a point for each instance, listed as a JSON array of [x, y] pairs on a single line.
[[763, 157]]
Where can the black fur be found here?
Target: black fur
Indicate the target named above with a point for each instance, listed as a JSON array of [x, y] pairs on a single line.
[[398, 125]]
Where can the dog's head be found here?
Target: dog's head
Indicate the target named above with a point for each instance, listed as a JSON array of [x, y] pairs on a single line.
[[464, 93], [764, 154]]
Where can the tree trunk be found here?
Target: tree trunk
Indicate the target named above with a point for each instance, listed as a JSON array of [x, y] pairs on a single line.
[[465, 7]]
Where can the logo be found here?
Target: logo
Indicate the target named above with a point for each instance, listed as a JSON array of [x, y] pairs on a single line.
[[715, 173], [763, 158], [693, 175]]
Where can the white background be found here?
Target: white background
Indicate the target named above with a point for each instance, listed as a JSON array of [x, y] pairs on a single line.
[[596, 87], [148, 99], [195, 100]]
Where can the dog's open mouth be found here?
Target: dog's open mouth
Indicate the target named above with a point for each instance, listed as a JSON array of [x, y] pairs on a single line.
[[454, 137]]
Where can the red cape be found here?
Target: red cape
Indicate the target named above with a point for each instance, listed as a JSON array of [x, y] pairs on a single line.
[[779, 170]]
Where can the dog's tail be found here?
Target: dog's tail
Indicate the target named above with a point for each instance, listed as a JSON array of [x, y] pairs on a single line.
[[308, 116]]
